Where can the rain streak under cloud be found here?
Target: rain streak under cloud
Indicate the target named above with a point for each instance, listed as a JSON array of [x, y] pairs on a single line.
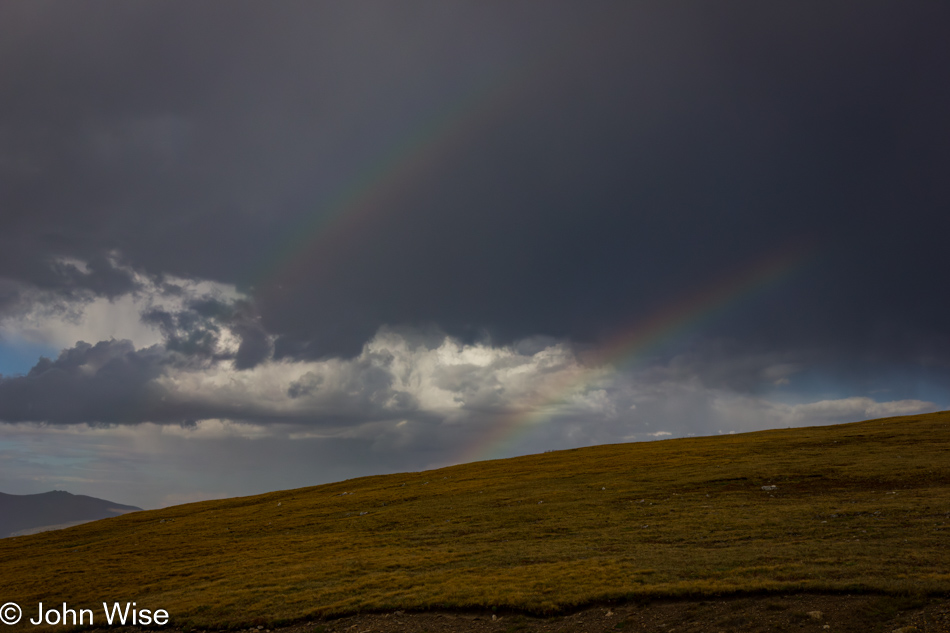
[[257, 247]]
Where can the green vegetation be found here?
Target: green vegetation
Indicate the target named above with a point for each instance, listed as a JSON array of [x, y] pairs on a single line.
[[857, 507]]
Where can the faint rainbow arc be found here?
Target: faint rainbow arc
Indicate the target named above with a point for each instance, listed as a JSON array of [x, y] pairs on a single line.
[[356, 200], [364, 196], [681, 316]]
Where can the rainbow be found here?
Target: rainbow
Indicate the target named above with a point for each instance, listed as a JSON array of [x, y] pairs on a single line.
[[330, 230], [682, 316], [327, 234]]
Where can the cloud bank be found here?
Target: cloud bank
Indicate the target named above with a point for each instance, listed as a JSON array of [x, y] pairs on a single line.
[[188, 397]]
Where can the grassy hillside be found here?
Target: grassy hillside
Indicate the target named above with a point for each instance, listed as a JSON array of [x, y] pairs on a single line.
[[856, 507]]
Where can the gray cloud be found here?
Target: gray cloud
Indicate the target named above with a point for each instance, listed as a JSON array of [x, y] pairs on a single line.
[[723, 364], [109, 382], [187, 332]]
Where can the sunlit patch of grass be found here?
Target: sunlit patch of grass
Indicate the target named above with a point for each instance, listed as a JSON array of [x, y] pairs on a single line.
[[857, 507]]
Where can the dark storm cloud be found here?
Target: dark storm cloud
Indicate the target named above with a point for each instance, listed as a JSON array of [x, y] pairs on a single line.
[[646, 150], [255, 347], [101, 277], [109, 382], [113, 383], [54, 281], [186, 331], [197, 330]]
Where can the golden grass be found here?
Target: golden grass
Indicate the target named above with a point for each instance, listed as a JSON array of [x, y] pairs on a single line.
[[858, 507]]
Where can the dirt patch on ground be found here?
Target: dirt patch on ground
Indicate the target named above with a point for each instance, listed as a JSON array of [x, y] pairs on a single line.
[[800, 612]]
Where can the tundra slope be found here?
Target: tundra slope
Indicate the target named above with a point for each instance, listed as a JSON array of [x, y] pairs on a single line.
[[859, 508]]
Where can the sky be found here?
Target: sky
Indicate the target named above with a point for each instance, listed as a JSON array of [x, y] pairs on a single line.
[[257, 246]]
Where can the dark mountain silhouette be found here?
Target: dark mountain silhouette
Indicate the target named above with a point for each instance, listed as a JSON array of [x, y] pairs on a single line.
[[27, 514]]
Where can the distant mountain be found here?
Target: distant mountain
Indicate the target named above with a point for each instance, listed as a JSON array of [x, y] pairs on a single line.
[[29, 514]]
